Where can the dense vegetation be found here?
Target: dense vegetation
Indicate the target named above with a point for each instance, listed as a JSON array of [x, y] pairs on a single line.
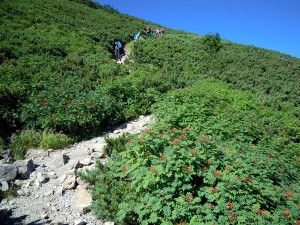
[[55, 56], [272, 76], [216, 155], [226, 145]]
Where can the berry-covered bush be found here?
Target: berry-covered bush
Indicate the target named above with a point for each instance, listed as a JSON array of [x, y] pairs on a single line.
[[69, 107], [183, 176], [215, 156]]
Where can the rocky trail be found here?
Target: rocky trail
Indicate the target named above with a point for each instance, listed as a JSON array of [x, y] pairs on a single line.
[[50, 192]]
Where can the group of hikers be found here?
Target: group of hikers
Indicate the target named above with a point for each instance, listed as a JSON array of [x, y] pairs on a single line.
[[158, 31], [119, 51]]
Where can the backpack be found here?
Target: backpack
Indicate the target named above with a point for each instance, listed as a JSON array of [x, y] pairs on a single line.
[[119, 44]]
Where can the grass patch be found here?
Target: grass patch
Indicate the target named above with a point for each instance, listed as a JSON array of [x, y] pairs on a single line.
[[33, 139], [54, 140], [1, 144]]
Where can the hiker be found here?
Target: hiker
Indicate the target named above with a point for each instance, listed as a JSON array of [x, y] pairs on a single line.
[[161, 31], [157, 32], [117, 53], [148, 31], [137, 36], [117, 50], [120, 46]]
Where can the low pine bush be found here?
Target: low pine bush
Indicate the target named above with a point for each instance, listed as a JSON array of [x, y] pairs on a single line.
[[115, 144]]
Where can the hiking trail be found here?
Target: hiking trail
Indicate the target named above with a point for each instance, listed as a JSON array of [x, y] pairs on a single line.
[[53, 193], [126, 53]]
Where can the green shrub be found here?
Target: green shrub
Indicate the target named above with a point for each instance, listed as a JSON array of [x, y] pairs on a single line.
[[1, 144], [115, 144], [25, 140], [184, 58], [215, 108], [184, 176], [135, 93], [212, 43], [229, 160], [62, 107], [51, 140], [30, 139], [107, 193]]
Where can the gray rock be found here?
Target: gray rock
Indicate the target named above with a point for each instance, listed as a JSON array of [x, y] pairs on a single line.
[[8, 172], [48, 193], [24, 192], [4, 185], [12, 202], [83, 200], [62, 178], [42, 178], [37, 183], [25, 167], [44, 216], [70, 182], [28, 184], [59, 204], [59, 191], [57, 221], [4, 201], [65, 152], [20, 192], [81, 182], [97, 147], [108, 223], [53, 175], [58, 161], [73, 164], [130, 126], [97, 155], [79, 222], [35, 153], [117, 131], [6, 154], [18, 182], [85, 161], [86, 168], [89, 151]]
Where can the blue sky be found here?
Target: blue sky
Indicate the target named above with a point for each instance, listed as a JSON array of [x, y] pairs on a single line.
[[270, 24]]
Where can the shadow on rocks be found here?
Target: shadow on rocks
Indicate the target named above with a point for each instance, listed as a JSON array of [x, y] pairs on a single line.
[[20, 221]]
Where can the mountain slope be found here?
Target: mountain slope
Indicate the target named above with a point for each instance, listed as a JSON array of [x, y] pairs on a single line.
[[44, 41], [225, 147], [57, 70]]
